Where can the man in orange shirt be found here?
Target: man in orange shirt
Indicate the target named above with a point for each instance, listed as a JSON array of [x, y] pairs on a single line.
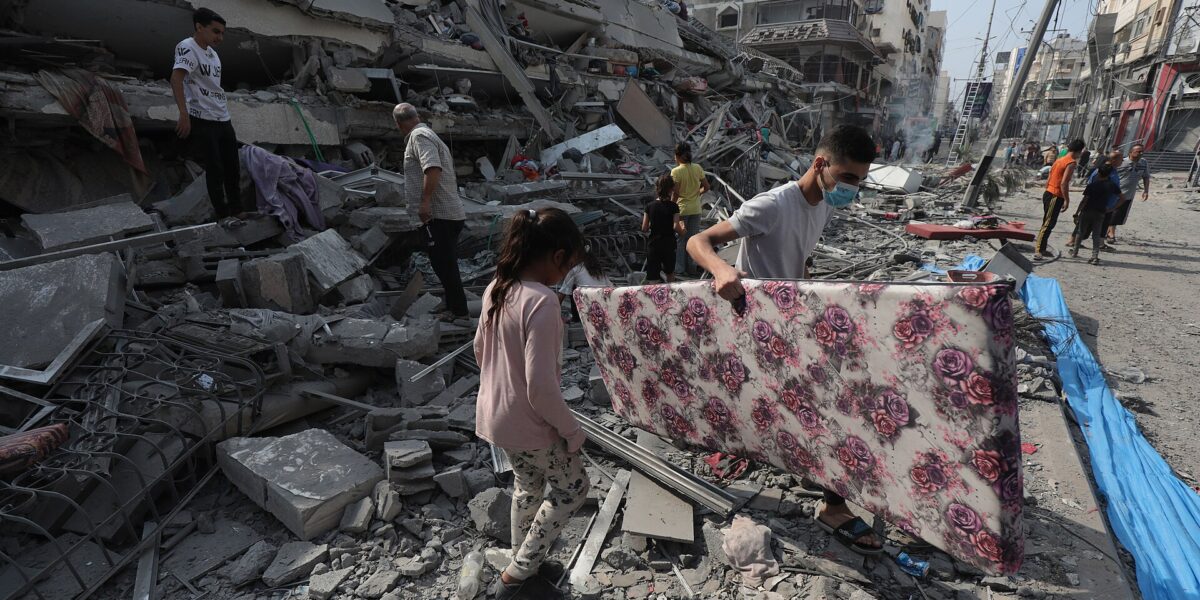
[[1057, 197]]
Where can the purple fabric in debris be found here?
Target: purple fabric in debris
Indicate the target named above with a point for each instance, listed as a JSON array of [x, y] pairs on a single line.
[[284, 189]]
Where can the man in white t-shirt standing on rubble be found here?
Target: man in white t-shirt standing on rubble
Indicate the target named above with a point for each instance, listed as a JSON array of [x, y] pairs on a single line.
[[203, 114]]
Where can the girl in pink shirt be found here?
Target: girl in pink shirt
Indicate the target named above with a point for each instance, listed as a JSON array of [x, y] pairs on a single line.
[[520, 407]]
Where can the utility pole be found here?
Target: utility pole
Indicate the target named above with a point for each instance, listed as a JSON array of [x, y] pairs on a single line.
[[986, 37], [971, 195]]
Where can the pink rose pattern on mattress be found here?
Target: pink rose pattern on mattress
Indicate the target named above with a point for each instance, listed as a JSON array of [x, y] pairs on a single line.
[[899, 397]]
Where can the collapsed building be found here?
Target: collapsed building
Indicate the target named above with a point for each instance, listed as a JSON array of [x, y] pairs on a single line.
[[161, 371]]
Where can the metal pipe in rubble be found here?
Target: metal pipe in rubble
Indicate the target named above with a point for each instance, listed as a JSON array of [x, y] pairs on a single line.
[[971, 195]]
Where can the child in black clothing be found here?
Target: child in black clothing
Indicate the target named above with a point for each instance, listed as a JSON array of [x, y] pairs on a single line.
[[663, 222], [1097, 197]]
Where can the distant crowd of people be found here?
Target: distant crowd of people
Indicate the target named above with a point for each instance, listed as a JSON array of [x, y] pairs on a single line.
[[1111, 181]]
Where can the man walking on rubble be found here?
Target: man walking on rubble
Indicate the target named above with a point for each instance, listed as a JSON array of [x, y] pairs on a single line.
[[430, 184], [204, 115], [1057, 196], [781, 228]]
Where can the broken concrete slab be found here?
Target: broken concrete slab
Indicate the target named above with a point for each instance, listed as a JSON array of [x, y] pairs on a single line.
[[462, 418], [419, 472], [347, 80], [229, 283], [323, 586], [388, 219], [453, 482], [76, 228], [423, 306], [415, 393], [455, 391], [305, 479], [89, 561], [250, 565], [410, 488], [588, 142], [491, 512], [768, 499], [370, 242], [372, 343], [200, 552], [294, 561], [191, 206], [329, 259], [644, 116], [387, 502], [439, 440], [331, 196], [47, 305], [278, 282], [357, 516], [378, 584], [406, 453], [652, 511], [524, 192], [356, 290]]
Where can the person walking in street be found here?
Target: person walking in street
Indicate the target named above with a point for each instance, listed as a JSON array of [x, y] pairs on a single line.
[[1134, 172], [1057, 196], [1049, 155], [1112, 159], [520, 406], [690, 184], [1099, 198], [1008, 154], [204, 115], [661, 220], [779, 229], [430, 184], [1083, 169], [896, 149]]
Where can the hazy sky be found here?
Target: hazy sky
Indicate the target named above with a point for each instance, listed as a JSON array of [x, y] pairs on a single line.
[[967, 22]]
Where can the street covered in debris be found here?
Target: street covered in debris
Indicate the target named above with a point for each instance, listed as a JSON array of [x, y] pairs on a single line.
[[240, 344]]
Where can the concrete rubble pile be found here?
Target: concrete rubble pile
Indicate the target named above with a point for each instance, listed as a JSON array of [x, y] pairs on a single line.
[[253, 413]]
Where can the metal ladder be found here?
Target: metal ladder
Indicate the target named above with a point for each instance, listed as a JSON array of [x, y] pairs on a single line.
[[964, 123]]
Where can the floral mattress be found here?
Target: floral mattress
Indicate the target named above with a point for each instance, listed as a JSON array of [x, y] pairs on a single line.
[[900, 397]]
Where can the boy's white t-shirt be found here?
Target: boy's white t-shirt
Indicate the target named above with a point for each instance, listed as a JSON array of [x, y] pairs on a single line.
[[202, 85], [781, 229], [579, 277]]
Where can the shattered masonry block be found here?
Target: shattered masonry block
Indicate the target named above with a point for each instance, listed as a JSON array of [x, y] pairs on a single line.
[[72, 229], [278, 282], [491, 512], [421, 391], [389, 194], [423, 306], [370, 242], [453, 482], [251, 564], [372, 343], [190, 207], [378, 584], [329, 259], [229, 283], [409, 488], [357, 516], [356, 290], [404, 454], [387, 502], [523, 192], [389, 219], [323, 586], [47, 305], [330, 196], [347, 80], [421, 472], [439, 440], [305, 479], [294, 561]]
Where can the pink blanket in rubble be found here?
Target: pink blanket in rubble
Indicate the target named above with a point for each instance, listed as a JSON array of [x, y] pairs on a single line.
[[900, 397]]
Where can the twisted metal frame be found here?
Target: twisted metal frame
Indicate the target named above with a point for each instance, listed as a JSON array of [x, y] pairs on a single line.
[[132, 388]]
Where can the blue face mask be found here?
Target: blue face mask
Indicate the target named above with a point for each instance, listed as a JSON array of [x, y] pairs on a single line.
[[841, 195]]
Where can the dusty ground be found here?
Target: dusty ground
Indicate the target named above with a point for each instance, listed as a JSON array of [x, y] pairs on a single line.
[[1140, 308]]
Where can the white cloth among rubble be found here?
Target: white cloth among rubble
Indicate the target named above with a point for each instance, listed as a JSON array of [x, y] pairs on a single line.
[[748, 547]]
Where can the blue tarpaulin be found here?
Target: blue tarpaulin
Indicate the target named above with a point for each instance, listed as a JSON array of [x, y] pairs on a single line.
[[1154, 514]]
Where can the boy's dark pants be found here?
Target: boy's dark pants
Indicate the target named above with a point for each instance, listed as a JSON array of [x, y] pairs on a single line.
[[1091, 223], [1051, 206]]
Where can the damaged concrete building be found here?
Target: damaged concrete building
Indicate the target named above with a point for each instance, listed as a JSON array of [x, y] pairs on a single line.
[[272, 406]]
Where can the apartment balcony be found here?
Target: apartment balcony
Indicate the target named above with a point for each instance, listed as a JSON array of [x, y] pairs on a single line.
[[783, 39]]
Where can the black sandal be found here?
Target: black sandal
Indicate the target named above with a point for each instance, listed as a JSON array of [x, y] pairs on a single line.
[[848, 533]]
